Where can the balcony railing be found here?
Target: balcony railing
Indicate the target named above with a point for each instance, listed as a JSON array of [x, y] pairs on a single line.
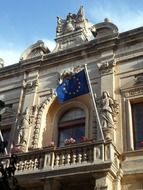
[[69, 156]]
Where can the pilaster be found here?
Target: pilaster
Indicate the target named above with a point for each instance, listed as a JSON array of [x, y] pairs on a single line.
[[107, 70], [104, 182], [31, 85]]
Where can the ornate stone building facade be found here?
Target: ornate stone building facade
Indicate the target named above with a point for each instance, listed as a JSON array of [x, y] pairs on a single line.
[[59, 145]]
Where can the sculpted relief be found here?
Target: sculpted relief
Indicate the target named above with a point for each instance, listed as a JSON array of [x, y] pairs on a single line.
[[109, 108], [24, 128], [71, 23]]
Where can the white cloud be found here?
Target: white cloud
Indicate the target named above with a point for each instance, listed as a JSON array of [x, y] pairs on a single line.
[[10, 56], [128, 21], [123, 16], [50, 44]]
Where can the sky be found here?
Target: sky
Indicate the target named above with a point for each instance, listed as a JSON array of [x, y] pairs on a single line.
[[24, 22]]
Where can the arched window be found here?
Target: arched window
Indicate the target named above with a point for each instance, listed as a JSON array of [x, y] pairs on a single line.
[[71, 125]]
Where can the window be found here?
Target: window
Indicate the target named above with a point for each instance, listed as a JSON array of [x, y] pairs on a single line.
[[5, 135], [137, 116], [6, 120], [71, 125]]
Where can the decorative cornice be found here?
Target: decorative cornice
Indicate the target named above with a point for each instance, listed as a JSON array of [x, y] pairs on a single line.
[[136, 91]]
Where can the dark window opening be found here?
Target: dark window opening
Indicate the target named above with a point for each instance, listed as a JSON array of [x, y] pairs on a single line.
[[137, 115], [4, 139], [71, 125]]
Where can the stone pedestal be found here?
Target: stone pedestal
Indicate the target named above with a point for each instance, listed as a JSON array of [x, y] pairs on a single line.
[[108, 133], [18, 148], [72, 39]]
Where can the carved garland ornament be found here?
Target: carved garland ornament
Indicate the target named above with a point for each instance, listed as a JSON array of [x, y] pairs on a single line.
[[44, 105], [106, 66]]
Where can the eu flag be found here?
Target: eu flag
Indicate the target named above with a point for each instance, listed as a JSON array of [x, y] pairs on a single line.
[[75, 85]]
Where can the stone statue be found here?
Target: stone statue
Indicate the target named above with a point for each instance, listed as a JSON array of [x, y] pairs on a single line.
[[1, 63], [60, 24], [70, 23], [80, 15], [24, 128], [107, 110]]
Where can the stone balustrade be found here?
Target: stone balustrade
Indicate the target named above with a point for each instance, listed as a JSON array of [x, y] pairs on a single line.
[[69, 156]]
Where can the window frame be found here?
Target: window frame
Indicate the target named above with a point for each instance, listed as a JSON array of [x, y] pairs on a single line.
[[135, 126], [72, 125], [67, 106], [130, 96]]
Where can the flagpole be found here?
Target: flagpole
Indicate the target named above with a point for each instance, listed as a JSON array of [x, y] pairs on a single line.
[[93, 100], [2, 140]]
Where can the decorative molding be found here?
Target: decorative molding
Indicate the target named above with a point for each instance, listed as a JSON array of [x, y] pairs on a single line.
[[108, 133], [69, 72], [139, 79], [35, 50], [43, 106], [106, 66], [30, 86], [136, 91]]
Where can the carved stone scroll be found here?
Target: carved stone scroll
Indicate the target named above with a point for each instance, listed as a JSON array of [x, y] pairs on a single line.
[[44, 106]]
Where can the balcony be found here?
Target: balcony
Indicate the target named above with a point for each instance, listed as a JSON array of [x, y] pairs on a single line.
[[93, 156]]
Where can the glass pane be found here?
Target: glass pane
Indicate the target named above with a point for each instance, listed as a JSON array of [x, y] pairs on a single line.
[[64, 134], [72, 114], [137, 110], [78, 133], [67, 133], [5, 134]]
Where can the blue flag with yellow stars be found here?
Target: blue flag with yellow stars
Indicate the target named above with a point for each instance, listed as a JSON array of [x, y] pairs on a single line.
[[75, 85]]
